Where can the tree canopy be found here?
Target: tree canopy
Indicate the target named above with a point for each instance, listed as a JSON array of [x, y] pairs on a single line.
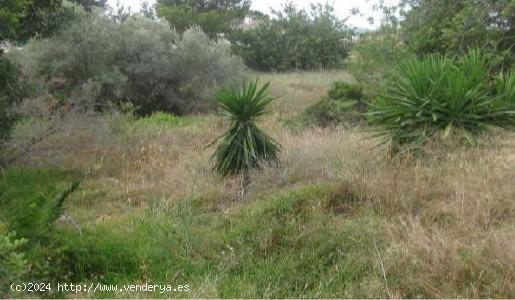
[[295, 39], [454, 26], [213, 16], [89, 4], [21, 19]]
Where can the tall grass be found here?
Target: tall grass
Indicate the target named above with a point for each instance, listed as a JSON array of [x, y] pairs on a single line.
[[333, 220]]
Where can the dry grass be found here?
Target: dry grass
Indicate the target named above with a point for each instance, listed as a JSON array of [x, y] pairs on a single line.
[[298, 90], [450, 222]]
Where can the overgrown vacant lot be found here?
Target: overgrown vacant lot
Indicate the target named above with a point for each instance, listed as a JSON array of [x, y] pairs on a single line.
[[336, 218]]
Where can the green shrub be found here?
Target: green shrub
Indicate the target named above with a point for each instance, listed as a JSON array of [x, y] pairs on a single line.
[[22, 19], [136, 60], [373, 56], [330, 112], [342, 89], [438, 96], [343, 105], [295, 39], [452, 27]]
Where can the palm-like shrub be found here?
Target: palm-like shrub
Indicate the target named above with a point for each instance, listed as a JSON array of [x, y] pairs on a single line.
[[439, 96], [244, 146]]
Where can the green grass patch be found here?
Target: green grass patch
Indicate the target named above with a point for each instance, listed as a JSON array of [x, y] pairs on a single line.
[[281, 246], [165, 120]]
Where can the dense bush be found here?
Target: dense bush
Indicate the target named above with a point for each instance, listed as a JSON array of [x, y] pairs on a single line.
[[427, 27], [22, 19], [295, 39], [342, 90], [343, 104], [139, 60], [453, 27], [442, 96], [375, 54]]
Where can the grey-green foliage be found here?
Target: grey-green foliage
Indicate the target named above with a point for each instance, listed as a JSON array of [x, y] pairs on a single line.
[[137, 60]]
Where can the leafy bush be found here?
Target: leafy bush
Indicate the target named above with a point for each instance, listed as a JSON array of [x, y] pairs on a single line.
[[137, 60], [342, 89], [439, 95], [452, 27], [373, 56], [342, 105], [295, 39], [22, 19], [244, 146]]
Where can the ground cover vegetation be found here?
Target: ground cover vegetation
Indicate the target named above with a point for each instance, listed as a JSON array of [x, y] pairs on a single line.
[[134, 151]]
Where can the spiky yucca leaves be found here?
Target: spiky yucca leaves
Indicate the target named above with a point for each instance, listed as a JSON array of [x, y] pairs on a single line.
[[440, 96], [244, 146]]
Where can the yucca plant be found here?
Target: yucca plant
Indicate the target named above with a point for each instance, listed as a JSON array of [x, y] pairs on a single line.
[[439, 96], [244, 146]]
